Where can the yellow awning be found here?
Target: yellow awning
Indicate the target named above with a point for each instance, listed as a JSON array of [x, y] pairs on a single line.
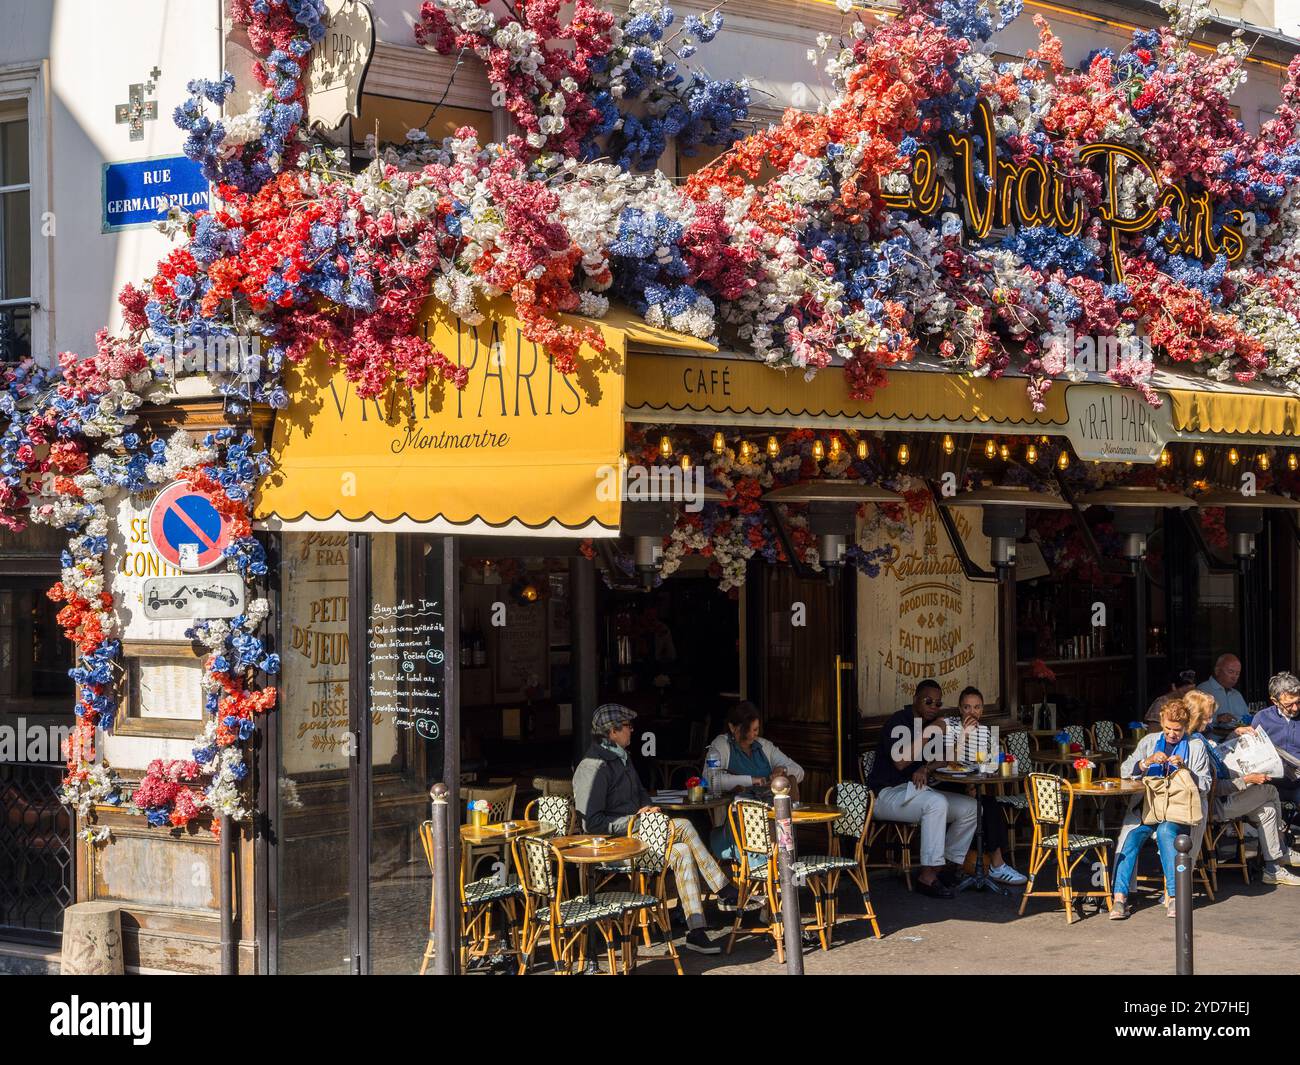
[[1254, 414], [520, 449], [691, 389]]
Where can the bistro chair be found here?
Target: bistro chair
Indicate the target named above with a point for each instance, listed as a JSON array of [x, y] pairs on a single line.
[[854, 824], [1078, 734], [1051, 805], [752, 831], [554, 785], [1016, 805], [1216, 834], [501, 807], [476, 902], [1105, 738], [649, 875], [899, 833], [566, 922], [558, 811]]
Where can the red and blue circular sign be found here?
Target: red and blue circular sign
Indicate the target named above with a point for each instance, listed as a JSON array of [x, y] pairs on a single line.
[[181, 517]]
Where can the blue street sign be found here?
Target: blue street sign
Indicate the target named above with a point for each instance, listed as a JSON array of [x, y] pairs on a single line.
[[140, 192], [179, 518]]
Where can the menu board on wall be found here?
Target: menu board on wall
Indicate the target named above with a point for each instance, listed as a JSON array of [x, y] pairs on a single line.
[[523, 654], [406, 643], [920, 618]]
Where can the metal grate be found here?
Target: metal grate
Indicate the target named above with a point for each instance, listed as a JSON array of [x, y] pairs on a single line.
[[36, 875]]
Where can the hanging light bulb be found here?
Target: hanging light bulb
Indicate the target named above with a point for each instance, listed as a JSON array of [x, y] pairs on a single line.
[[835, 449], [665, 447], [991, 449], [1031, 454], [1233, 457], [864, 451], [949, 445], [744, 451], [1292, 461], [719, 443], [1263, 460], [1198, 458], [818, 450], [1004, 453], [773, 446], [686, 461], [1165, 458], [904, 454], [1063, 460]]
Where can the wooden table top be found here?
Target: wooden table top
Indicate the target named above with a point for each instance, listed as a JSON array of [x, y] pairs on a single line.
[[504, 831], [580, 850], [687, 806], [977, 780], [1097, 791], [812, 813], [1064, 759]]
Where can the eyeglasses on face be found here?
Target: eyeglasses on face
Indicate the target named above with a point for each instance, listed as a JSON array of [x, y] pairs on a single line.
[[931, 700]]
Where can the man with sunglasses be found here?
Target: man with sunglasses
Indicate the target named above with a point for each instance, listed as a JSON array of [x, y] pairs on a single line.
[[900, 778]]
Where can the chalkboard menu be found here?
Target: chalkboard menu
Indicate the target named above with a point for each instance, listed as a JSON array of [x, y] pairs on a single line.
[[407, 645]]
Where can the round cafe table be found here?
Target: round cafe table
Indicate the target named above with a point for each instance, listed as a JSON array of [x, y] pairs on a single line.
[[811, 813], [1069, 759], [713, 806], [1099, 790], [503, 832], [979, 783]]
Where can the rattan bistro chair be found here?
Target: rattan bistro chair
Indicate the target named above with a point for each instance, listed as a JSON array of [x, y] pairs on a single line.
[[477, 900], [501, 807], [1015, 806], [558, 811], [1215, 835], [752, 831], [566, 921], [1051, 804], [857, 802], [895, 833]]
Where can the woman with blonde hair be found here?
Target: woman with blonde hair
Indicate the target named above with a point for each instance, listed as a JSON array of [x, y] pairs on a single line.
[[1158, 754]]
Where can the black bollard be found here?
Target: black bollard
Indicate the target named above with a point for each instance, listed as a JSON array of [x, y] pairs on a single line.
[[226, 900], [785, 858], [1183, 906], [444, 936]]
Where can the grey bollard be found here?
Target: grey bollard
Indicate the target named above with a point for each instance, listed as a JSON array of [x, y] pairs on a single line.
[[1183, 907], [92, 940], [785, 856]]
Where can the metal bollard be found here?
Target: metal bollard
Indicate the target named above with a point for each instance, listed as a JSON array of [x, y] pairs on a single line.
[[785, 857], [444, 935], [1183, 906]]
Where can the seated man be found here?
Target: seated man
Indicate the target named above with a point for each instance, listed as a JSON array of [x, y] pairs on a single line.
[[900, 780], [1230, 703], [1281, 721], [1250, 796], [609, 796]]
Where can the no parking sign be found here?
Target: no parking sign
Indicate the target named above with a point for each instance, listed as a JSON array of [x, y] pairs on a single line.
[[187, 529]]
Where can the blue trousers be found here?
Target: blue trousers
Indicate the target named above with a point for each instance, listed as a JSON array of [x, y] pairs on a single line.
[[1126, 868]]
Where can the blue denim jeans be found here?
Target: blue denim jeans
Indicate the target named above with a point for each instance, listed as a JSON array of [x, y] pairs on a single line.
[[1126, 868]]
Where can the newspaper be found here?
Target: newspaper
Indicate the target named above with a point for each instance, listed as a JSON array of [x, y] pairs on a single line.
[[1252, 752]]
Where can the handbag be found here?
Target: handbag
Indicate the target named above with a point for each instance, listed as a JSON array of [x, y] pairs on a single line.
[[1174, 797]]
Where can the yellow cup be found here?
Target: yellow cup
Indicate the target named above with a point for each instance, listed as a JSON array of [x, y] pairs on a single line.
[[1085, 778]]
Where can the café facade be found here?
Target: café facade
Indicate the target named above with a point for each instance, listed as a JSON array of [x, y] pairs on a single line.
[[455, 578]]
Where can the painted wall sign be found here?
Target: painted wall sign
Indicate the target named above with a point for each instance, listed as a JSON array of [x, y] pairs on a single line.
[[1035, 194], [140, 192], [920, 618], [1115, 424], [339, 62], [187, 529], [217, 595]]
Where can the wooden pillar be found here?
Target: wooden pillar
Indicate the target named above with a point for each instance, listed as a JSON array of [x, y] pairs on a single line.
[[1008, 674], [586, 650]]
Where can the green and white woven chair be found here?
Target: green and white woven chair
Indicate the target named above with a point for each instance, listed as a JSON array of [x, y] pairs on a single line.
[[566, 922], [558, 811], [1015, 807], [857, 804], [1051, 804], [898, 834]]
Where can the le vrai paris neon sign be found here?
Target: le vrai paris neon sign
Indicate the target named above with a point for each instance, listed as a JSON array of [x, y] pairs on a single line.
[[1035, 193]]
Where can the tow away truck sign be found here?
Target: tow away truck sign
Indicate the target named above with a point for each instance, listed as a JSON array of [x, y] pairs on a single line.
[[215, 595]]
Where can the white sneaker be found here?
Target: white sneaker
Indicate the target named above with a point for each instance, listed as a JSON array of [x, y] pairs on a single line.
[[1293, 857], [1281, 876], [1004, 874]]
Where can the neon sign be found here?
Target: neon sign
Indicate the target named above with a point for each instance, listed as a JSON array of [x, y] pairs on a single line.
[[1036, 194]]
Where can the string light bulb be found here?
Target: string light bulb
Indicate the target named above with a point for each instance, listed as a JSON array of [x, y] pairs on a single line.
[[686, 461], [1004, 453], [1063, 460], [864, 450], [773, 446], [1292, 461], [1233, 457], [1165, 458], [1198, 458], [719, 443], [744, 451], [1031, 454], [904, 454], [949, 445], [991, 449], [1263, 460], [835, 449], [665, 447], [818, 450]]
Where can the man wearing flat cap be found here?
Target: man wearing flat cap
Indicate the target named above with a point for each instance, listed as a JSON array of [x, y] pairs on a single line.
[[610, 796]]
